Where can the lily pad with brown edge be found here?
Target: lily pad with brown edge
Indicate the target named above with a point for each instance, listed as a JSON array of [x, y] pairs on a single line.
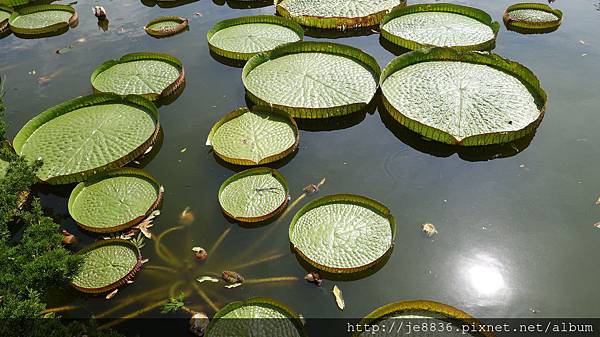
[[166, 26], [5, 13], [448, 321], [337, 14], [260, 317], [243, 37], [532, 18], [462, 98], [254, 137], [440, 25], [312, 79], [42, 19], [254, 195], [343, 233], [152, 75], [114, 200], [88, 135], [106, 265]]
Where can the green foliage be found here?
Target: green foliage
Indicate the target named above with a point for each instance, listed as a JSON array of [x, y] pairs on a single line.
[[174, 304]]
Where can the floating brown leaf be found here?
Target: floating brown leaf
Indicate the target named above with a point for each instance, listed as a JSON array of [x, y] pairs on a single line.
[[339, 297], [232, 277], [429, 229], [186, 217], [200, 253], [112, 294]]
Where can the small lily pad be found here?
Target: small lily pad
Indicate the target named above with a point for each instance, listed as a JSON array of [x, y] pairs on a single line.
[[531, 18], [343, 233], [256, 137], [254, 195], [166, 26], [42, 19], [241, 38], [114, 200], [107, 265]]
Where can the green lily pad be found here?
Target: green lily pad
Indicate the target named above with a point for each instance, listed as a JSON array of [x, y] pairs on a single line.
[[152, 75], [340, 14], [312, 79], [88, 135], [114, 200], [166, 26], [5, 13], [343, 233], [442, 25], [256, 137], [242, 38], [254, 195], [463, 98], [531, 18], [106, 265], [255, 317], [42, 19]]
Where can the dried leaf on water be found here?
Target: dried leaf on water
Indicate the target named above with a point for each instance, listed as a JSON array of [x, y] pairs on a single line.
[[207, 279], [200, 253], [339, 298], [232, 277], [597, 225], [429, 229], [112, 294], [312, 188], [68, 238], [235, 285], [313, 277], [598, 201], [186, 217]]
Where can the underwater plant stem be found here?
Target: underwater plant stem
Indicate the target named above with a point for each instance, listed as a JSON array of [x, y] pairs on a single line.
[[271, 279], [60, 309], [258, 261], [133, 314], [160, 268], [205, 297], [131, 300], [162, 251], [217, 243], [292, 205], [173, 288]]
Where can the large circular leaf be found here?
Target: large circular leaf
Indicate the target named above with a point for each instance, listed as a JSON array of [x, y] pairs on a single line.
[[446, 320], [343, 233], [114, 200], [5, 13], [532, 18], [166, 26], [463, 98], [339, 14], [87, 135], [256, 317], [256, 137], [254, 195], [152, 75], [443, 25], [242, 38], [312, 79], [106, 265], [42, 19]]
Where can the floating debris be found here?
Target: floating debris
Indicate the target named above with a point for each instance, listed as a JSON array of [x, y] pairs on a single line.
[[198, 323], [314, 277], [235, 285], [68, 238], [339, 298], [429, 229], [597, 225], [200, 253], [68, 48], [112, 294], [598, 201], [183, 150], [186, 217], [99, 12], [207, 279], [232, 277], [312, 188]]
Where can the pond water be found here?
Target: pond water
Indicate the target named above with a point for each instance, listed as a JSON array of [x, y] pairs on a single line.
[[516, 235]]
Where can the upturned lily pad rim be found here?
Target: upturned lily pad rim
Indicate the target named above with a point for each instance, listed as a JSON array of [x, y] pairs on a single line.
[[72, 22], [259, 301], [512, 68], [470, 12], [259, 109], [82, 102], [119, 172], [119, 282], [299, 47], [532, 27], [353, 199], [269, 19], [338, 22], [182, 24], [4, 27], [132, 57], [251, 172], [392, 309]]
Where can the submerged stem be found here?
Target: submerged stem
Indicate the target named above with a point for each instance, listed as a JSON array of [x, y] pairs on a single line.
[[162, 251], [258, 261], [205, 297], [217, 243], [271, 279], [60, 309], [160, 268], [131, 300]]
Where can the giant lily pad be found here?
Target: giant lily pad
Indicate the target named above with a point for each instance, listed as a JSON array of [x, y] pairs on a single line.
[[114, 200], [88, 135], [448, 321], [256, 137], [5, 13], [340, 14], [242, 38], [42, 19], [312, 79], [532, 18], [254, 195], [442, 25], [343, 233], [106, 265], [256, 317], [166, 26], [463, 98], [152, 75]]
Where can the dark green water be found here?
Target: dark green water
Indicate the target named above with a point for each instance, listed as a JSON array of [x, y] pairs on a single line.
[[515, 233]]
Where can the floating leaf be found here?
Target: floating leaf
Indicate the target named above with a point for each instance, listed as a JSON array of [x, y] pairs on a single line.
[[257, 137], [532, 18], [342, 233], [241, 38], [443, 25], [235, 285], [232, 277], [429, 229], [597, 225], [186, 217], [254, 195], [207, 279], [200, 253], [312, 188], [42, 19], [112, 294], [75, 139], [462, 98], [312, 79], [166, 26], [339, 297]]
